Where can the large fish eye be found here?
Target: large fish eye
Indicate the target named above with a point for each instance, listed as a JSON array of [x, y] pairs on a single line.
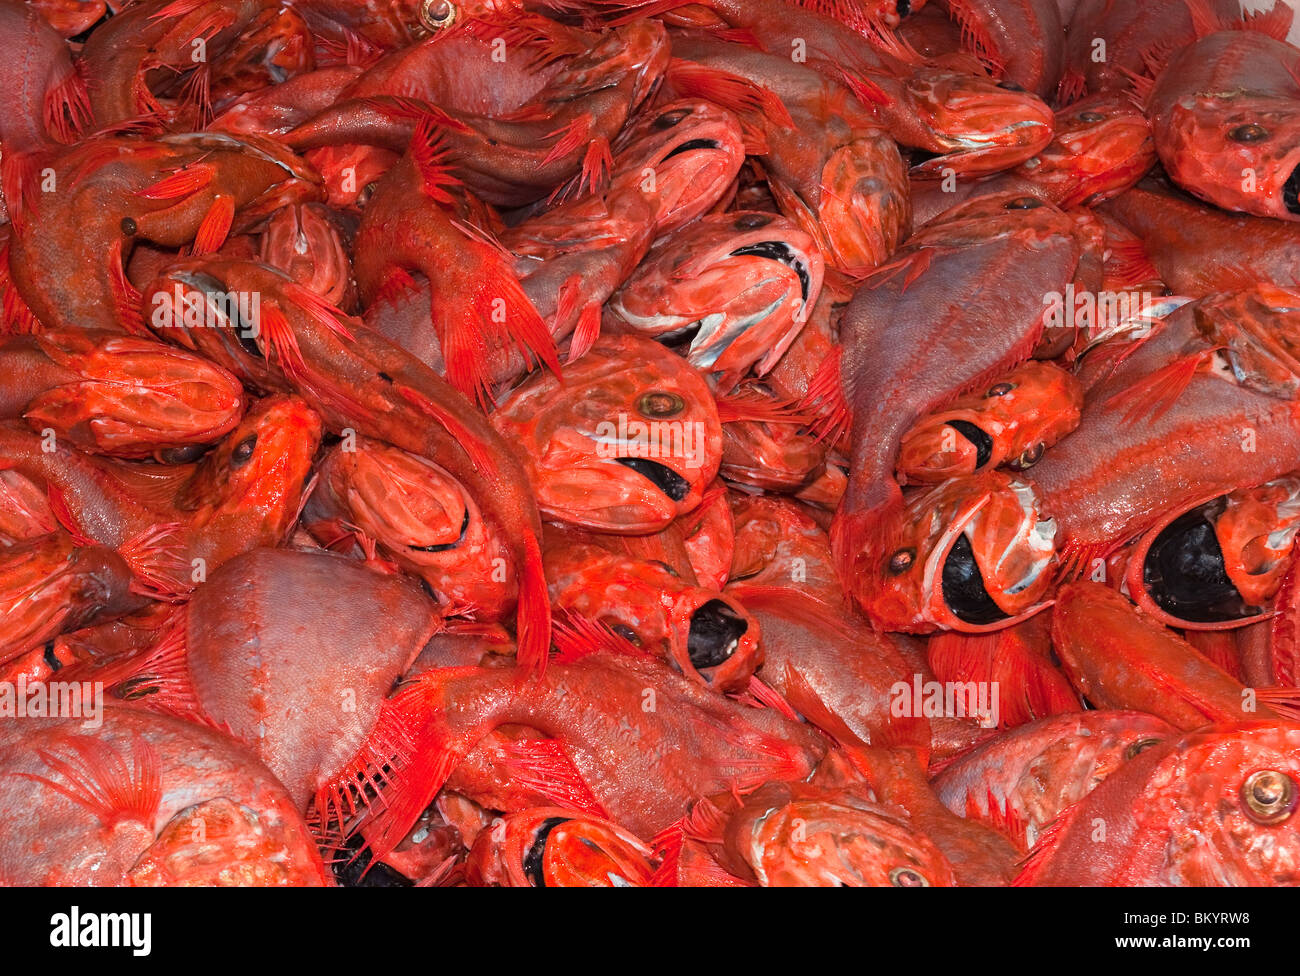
[[1248, 133], [1000, 389], [1142, 745], [659, 404], [243, 451], [437, 15], [901, 561], [1269, 796], [129, 227], [1028, 457], [1023, 203], [907, 878], [1091, 117]]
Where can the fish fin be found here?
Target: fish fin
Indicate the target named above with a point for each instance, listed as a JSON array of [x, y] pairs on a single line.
[[1152, 396], [126, 297], [397, 282], [281, 341], [1130, 263], [183, 182], [769, 697], [586, 333], [62, 512], [863, 88], [568, 138], [215, 226], [735, 93], [1140, 86], [576, 636], [19, 319], [597, 165], [1275, 23], [321, 311], [1076, 559], [431, 159], [196, 92], [407, 757], [808, 611], [1039, 857], [827, 400], [750, 406], [863, 541], [533, 611], [975, 37], [479, 455], [1072, 86], [1205, 19], [1284, 701], [496, 311], [1030, 686], [96, 775], [157, 558], [543, 766], [1002, 817], [66, 108]]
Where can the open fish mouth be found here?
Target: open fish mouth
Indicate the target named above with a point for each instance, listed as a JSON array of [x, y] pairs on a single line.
[[1291, 192], [446, 546], [978, 438], [715, 634], [660, 475], [690, 145], [963, 587], [1185, 574], [782, 253]]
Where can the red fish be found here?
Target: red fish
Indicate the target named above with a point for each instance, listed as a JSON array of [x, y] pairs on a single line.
[[551, 847]]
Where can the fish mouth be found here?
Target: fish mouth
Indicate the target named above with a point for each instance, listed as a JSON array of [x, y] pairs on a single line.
[[980, 439], [690, 145], [715, 634], [445, 546], [782, 253], [660, 475], [963, 587], [1185, 575], [1291, 192]]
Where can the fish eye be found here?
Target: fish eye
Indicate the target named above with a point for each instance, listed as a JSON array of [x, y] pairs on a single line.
[[1091, 117], [1000, 389], [1248, 133], [129, 227], [901, 561], [907, 878], [670, 119], [626, 632], [1029, 457], [243, 451], [1142, 745], [660, 404], [1269, 796], [1010, 86], [752, 221], [437, 15], [1023, 203]]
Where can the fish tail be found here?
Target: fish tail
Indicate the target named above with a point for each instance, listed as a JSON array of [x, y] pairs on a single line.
[[1275, 22]]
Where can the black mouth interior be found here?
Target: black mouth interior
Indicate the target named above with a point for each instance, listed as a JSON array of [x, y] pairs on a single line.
[[664, 478], [692, 144], [533, 859], [1184, 572], [982, 441], [715, 631], [904, 7], [782, 252], [444, 546], [963, 587], [354, 870], [1291, 192]]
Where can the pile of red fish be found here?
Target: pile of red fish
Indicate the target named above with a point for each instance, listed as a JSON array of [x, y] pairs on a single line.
[[578, 443]]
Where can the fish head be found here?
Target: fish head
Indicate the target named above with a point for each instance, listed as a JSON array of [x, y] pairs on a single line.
[[262, 467], [704, 634], [983, 126], [865, 209], [555, 847], [305, 243], [1011, 423], [1216, 563], [1103, 146], [135, 398], [422, 518], [731, 290], [777, 455], [625, 443], [1245, 157], [792, 835], [679, 158], [971, 555]]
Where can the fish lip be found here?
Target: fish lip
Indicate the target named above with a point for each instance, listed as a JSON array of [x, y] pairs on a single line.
[[781, 252], [660, 475], [978, 437], [690, 145]]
